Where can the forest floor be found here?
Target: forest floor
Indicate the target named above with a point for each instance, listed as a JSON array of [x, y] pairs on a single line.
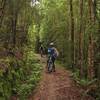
[[57, 86]]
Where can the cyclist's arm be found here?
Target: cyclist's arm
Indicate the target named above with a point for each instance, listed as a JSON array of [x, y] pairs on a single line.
[[56, 51]]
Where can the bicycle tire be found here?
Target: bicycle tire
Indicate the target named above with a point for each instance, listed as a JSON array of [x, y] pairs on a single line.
[[50, 66]]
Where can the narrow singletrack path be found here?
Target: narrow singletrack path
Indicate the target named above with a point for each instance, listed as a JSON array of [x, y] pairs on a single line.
[[57, 86]]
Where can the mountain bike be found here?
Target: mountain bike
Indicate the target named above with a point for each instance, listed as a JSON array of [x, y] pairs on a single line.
[[50, 64]]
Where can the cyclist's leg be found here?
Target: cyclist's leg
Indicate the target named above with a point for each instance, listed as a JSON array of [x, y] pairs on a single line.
[[41, 53], [53, 60]]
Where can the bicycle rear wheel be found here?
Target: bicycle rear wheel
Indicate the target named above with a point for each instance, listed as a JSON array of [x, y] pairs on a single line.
[[50, 66]]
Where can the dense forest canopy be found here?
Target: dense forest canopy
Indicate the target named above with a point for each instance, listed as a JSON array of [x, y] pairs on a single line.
[[73, 26]]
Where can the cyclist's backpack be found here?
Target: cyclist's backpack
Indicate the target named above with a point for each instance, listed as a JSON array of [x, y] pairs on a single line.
[[52, 52]]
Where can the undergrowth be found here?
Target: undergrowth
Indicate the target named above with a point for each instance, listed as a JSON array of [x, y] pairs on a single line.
[[19, 77]]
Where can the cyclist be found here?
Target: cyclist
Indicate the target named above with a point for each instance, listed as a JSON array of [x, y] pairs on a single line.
[[52, 52], [41, 49]]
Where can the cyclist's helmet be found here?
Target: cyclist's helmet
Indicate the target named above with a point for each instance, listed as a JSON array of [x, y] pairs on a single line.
[[51, 44]]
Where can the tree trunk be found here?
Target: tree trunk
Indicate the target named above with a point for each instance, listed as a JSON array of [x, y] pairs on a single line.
[[81, 39], [91, 43], [91, 58], [14, 22], [72, 34], [3, 4]]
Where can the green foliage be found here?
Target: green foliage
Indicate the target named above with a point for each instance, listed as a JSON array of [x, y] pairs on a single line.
[[32, 79], [19, 76], [55, 27], [30, 83]]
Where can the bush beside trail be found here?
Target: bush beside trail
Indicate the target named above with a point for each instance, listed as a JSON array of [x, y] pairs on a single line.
[[19, 77]]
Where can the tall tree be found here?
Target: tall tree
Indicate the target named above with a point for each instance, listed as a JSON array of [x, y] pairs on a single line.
[[91, 42], [2, 8], [81, 39], [72, 33]]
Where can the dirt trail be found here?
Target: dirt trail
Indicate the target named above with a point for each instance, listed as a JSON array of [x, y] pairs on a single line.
[[58, 86]]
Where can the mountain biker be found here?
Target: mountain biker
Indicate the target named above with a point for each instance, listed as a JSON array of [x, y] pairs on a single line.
[[53, 52], [41, 49]]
